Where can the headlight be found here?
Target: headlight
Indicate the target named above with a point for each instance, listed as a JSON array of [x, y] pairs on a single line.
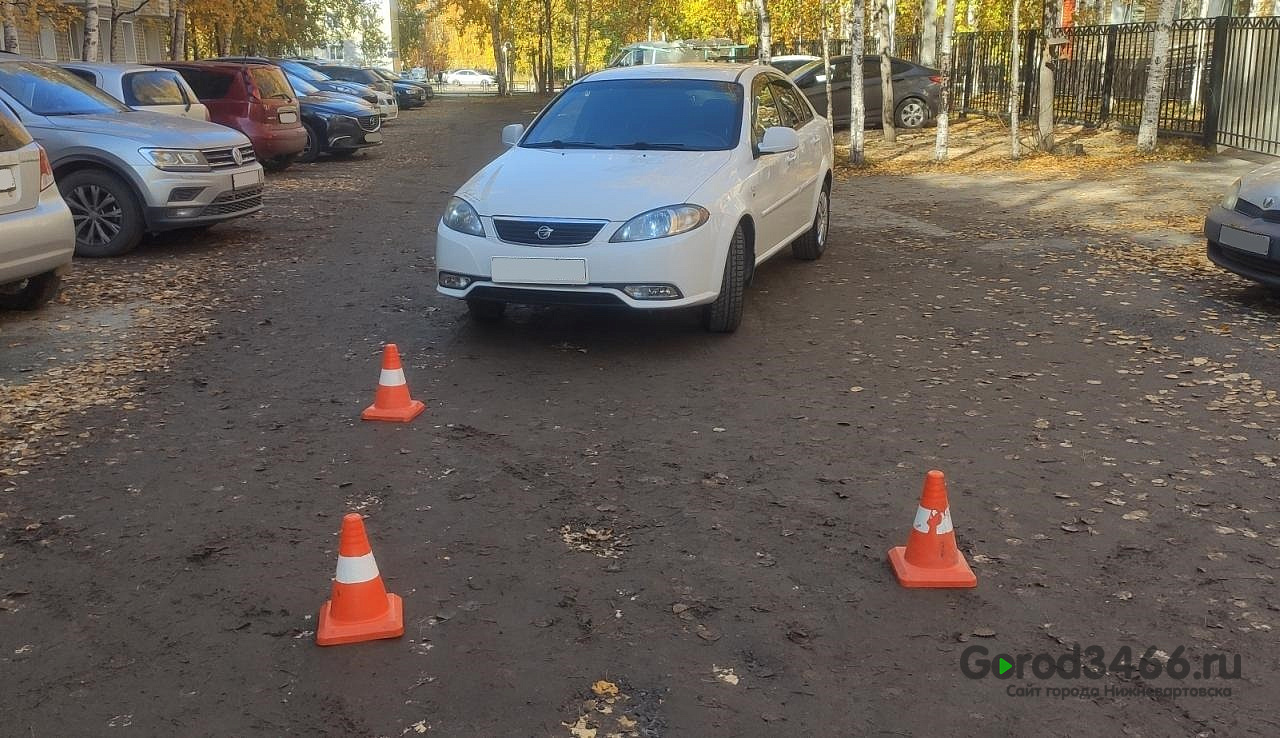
[[461, 217], [660, 223], [177, 160], [1230, 199]]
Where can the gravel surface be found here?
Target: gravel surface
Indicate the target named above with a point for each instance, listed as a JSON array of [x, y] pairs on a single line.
[[617, 525]]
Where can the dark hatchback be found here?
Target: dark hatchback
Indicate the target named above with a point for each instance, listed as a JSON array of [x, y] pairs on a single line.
[[335, 126], [407, 84], [323, 81], [917, 90], [407, 95]]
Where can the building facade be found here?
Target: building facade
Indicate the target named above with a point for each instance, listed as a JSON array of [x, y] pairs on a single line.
[[141, 34]]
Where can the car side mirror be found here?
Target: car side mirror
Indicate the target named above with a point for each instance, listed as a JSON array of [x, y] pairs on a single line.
[[778, 140], [511, 134]]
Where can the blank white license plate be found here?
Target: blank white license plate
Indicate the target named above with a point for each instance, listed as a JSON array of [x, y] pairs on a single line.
[[241, 180], [1254, 243], [7, 181], [288, 117], [543, 270], [374, 137]]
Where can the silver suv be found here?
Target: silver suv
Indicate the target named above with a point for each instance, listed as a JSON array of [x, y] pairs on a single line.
[[124, 172]]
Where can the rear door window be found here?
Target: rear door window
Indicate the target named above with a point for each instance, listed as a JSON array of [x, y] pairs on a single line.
[[208, 84], [84, 75], [271, 83], [12, 135], [153, 88]]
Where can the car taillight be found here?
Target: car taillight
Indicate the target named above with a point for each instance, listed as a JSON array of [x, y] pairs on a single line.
[[46, 170], [937, 80]]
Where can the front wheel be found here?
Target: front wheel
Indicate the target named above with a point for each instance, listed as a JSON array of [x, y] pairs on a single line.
[[912, 113], [311, 151], [107, 217], [725, 314], [814, 241], [278, 164]]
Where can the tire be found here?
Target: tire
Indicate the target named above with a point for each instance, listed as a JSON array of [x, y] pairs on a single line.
[[107, 217], [912, 113], [312, 150], [814, 241], [486, 311], [35, 292], [725, 314], [278, 164]]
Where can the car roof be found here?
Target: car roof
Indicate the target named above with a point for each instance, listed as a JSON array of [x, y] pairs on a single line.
[[113, 67], [694, 70]]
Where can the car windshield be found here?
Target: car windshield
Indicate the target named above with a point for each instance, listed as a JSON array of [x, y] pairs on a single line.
[[271, 83], [356, 75], [301, 86], [302, 71], [642, 114], [385, 74], [47, 90]]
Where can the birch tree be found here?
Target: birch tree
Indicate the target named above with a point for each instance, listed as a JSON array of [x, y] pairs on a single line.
[[10, 27], [929, 33], [857, 95], [1050, 20], [884, 35], [764, 32], [178, 32], [1156, 73], [826, 62], [944, 102], [89, 46], [1015, 85]]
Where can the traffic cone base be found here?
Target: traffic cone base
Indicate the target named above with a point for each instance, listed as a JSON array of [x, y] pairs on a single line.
[[931, 560], [389, 625], [956, 576], [394, 414]]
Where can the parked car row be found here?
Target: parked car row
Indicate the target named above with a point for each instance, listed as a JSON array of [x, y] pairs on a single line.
[[135, 149]]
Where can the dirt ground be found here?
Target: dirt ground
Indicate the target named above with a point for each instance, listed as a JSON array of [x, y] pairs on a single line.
[[699, 522]]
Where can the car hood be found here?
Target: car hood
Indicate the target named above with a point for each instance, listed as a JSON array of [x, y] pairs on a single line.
[[335, 105], [1258, 185], [152, 129], [595, 185]]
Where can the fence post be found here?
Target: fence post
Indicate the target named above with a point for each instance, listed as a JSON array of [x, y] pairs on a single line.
[[1108, 75], [1217, 75]]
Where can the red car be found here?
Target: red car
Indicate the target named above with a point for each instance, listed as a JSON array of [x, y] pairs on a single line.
[[254, 99]]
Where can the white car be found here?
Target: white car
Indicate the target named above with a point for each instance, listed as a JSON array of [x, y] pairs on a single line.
[[656, 186], [467, 77], [143, 88], [37, 238]]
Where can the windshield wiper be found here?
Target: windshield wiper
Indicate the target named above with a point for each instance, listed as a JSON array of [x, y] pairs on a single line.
[[645, 146], [558, 144]]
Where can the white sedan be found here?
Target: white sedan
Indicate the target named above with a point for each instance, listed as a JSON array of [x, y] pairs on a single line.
[[649, 187], [467, 77]]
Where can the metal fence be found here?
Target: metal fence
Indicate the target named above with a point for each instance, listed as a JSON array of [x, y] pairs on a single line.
[[1222, 86]]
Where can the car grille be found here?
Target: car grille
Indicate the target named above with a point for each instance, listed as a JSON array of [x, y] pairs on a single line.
[[226, 158], [370, 122], [562, 232], [235, 202]]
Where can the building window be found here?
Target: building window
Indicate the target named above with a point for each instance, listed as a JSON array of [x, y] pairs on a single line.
[[151, 38], [129, 40], [75, 35], [48, 41], [104, 39]]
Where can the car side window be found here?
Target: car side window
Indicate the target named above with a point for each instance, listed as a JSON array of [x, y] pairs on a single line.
[[795, 113], [84, 75], [764, 110], [841, 72]]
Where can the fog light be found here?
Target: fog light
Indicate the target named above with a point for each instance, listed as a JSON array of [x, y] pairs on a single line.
[[651, 292], [184, 212], [452, 281]]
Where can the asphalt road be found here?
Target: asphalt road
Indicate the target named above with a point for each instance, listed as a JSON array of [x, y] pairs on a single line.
[[698, 520]]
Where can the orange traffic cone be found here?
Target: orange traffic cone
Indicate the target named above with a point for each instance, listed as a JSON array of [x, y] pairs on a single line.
[[360, 608], [930, 559], [392, 401]]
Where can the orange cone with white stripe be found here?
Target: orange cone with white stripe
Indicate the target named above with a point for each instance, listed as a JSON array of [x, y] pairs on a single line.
[[392, 401], [360, 608], [931, 560]]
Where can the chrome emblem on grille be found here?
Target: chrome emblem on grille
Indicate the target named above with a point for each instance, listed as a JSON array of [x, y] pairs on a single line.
[[1268, 202], [237, 156], [543, 233]]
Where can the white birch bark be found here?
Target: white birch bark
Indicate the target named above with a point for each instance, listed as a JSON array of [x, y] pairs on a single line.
[[1015, 85], [929, 33], [857, 95], [1156, 72], [884, 30], [948, 30]]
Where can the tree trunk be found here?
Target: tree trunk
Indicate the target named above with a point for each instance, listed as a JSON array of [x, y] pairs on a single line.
[[1015, 84], [576, 29], [857, 95], [10, 28], [883, 26], [763, 31], [971, 14], [89, 47], [929, 33], [586, 36], [495, 37], [111, 37], [178, 33], [1049, 51], [550, 74], [944, 101], [1156, 73], [825, 10]]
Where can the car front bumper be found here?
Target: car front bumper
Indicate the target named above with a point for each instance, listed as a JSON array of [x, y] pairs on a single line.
[[692, 262], [38, 240], [1263, 268], [185, 199], [390, 111], [345, 134]]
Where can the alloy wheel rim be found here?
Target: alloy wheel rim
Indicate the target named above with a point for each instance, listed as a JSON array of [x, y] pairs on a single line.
[[824, 208], [913, 114], [96, 213]]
